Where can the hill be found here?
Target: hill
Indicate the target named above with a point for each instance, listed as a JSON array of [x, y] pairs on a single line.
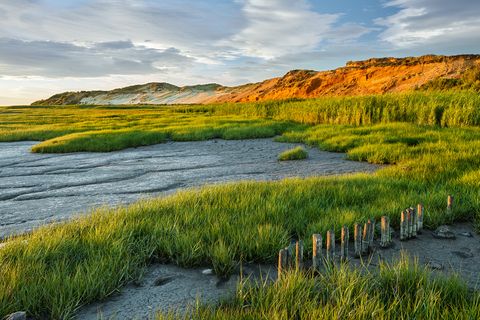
[[372, 76]]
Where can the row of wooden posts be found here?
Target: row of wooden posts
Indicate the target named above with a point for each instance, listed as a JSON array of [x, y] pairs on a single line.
[[411, 223]]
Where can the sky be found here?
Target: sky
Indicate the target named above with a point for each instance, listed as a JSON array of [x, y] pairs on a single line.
[[52, 46]]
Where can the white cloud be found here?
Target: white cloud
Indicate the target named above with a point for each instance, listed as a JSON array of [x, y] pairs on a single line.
[[59, 59], [275, 28], [438, 24]]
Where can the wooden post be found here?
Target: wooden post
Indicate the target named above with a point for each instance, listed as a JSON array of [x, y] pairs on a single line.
[[449, 204], [357, 235], [409, 223], [366, 237], [415, 222], [403, 226], [282, 261], [344, 243], [317, 251], [371, 237], [330, 244], [385, 236], [291, 253], [419, 218], [299, 255]]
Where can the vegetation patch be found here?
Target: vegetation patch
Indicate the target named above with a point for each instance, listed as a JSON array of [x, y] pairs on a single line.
[[397, 291], [432, 138], [298, 153]]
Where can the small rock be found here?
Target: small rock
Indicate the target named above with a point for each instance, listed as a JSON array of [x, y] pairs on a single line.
[[463, 254], [443, 232], [207, 271], [19, 315], [465, 234], [434, 265]]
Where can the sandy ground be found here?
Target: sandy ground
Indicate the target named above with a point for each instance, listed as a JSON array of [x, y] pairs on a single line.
[[40, 188], [167, 287]]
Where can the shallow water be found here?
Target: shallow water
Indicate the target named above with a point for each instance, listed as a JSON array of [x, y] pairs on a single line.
[[40, 188]]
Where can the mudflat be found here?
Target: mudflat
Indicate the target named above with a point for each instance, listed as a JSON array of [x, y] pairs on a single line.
[[39, 188]]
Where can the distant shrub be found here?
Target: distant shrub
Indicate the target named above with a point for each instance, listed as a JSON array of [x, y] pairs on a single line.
[[297, 153]]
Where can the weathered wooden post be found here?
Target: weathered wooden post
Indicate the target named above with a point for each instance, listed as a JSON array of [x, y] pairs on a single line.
[[299, 255], [371, 222], [366, 237], [403, 226], [415, 222], [419, 217], [449, 204], [291, 253], [282, 261], [385, 235], [317, 251], [409, 223], [344, 243], [330, 244], [357, 238]]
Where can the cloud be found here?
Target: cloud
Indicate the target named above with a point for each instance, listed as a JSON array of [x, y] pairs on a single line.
[[275, 28], [58, 59], [440, 24], [188, 25]]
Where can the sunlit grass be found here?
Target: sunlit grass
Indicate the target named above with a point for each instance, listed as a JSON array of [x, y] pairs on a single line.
[[397, 291], [297, 153], [56, 269]]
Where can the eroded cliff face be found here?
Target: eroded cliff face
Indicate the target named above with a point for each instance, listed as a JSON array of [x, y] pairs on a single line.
[[372, 76]]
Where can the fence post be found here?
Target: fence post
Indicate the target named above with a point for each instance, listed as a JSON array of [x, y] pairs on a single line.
[[410, 223], [366, 237], [385, 236], [371, 237], [449, 204], [357, 238], [330, 244], [344, 243], [403, 226], [299, 255], [291, 253], [317, 250], [415, 222], [419, 217]]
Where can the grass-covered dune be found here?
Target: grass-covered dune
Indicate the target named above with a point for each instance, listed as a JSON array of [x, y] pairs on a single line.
[[56, 269]]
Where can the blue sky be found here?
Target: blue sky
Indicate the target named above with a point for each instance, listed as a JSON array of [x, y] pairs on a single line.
[[50, 46]]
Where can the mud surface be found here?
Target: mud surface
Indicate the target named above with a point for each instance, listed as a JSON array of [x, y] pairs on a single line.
[[166, 287], [40, 188]]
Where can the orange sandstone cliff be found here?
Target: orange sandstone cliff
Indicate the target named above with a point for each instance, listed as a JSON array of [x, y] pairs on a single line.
[[373, 76]]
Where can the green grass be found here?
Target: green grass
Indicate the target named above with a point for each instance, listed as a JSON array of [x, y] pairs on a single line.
[[297, 153], [399, 291], [56, 269], [108, 128], [103, 129]]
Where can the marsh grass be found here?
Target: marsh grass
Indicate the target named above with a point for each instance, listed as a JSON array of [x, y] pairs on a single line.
[[56, 269], [108, 128], [297, 153], [402, 290]]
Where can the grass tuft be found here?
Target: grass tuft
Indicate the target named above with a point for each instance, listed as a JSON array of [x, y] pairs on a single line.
[[298, 153], [402, 290]]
